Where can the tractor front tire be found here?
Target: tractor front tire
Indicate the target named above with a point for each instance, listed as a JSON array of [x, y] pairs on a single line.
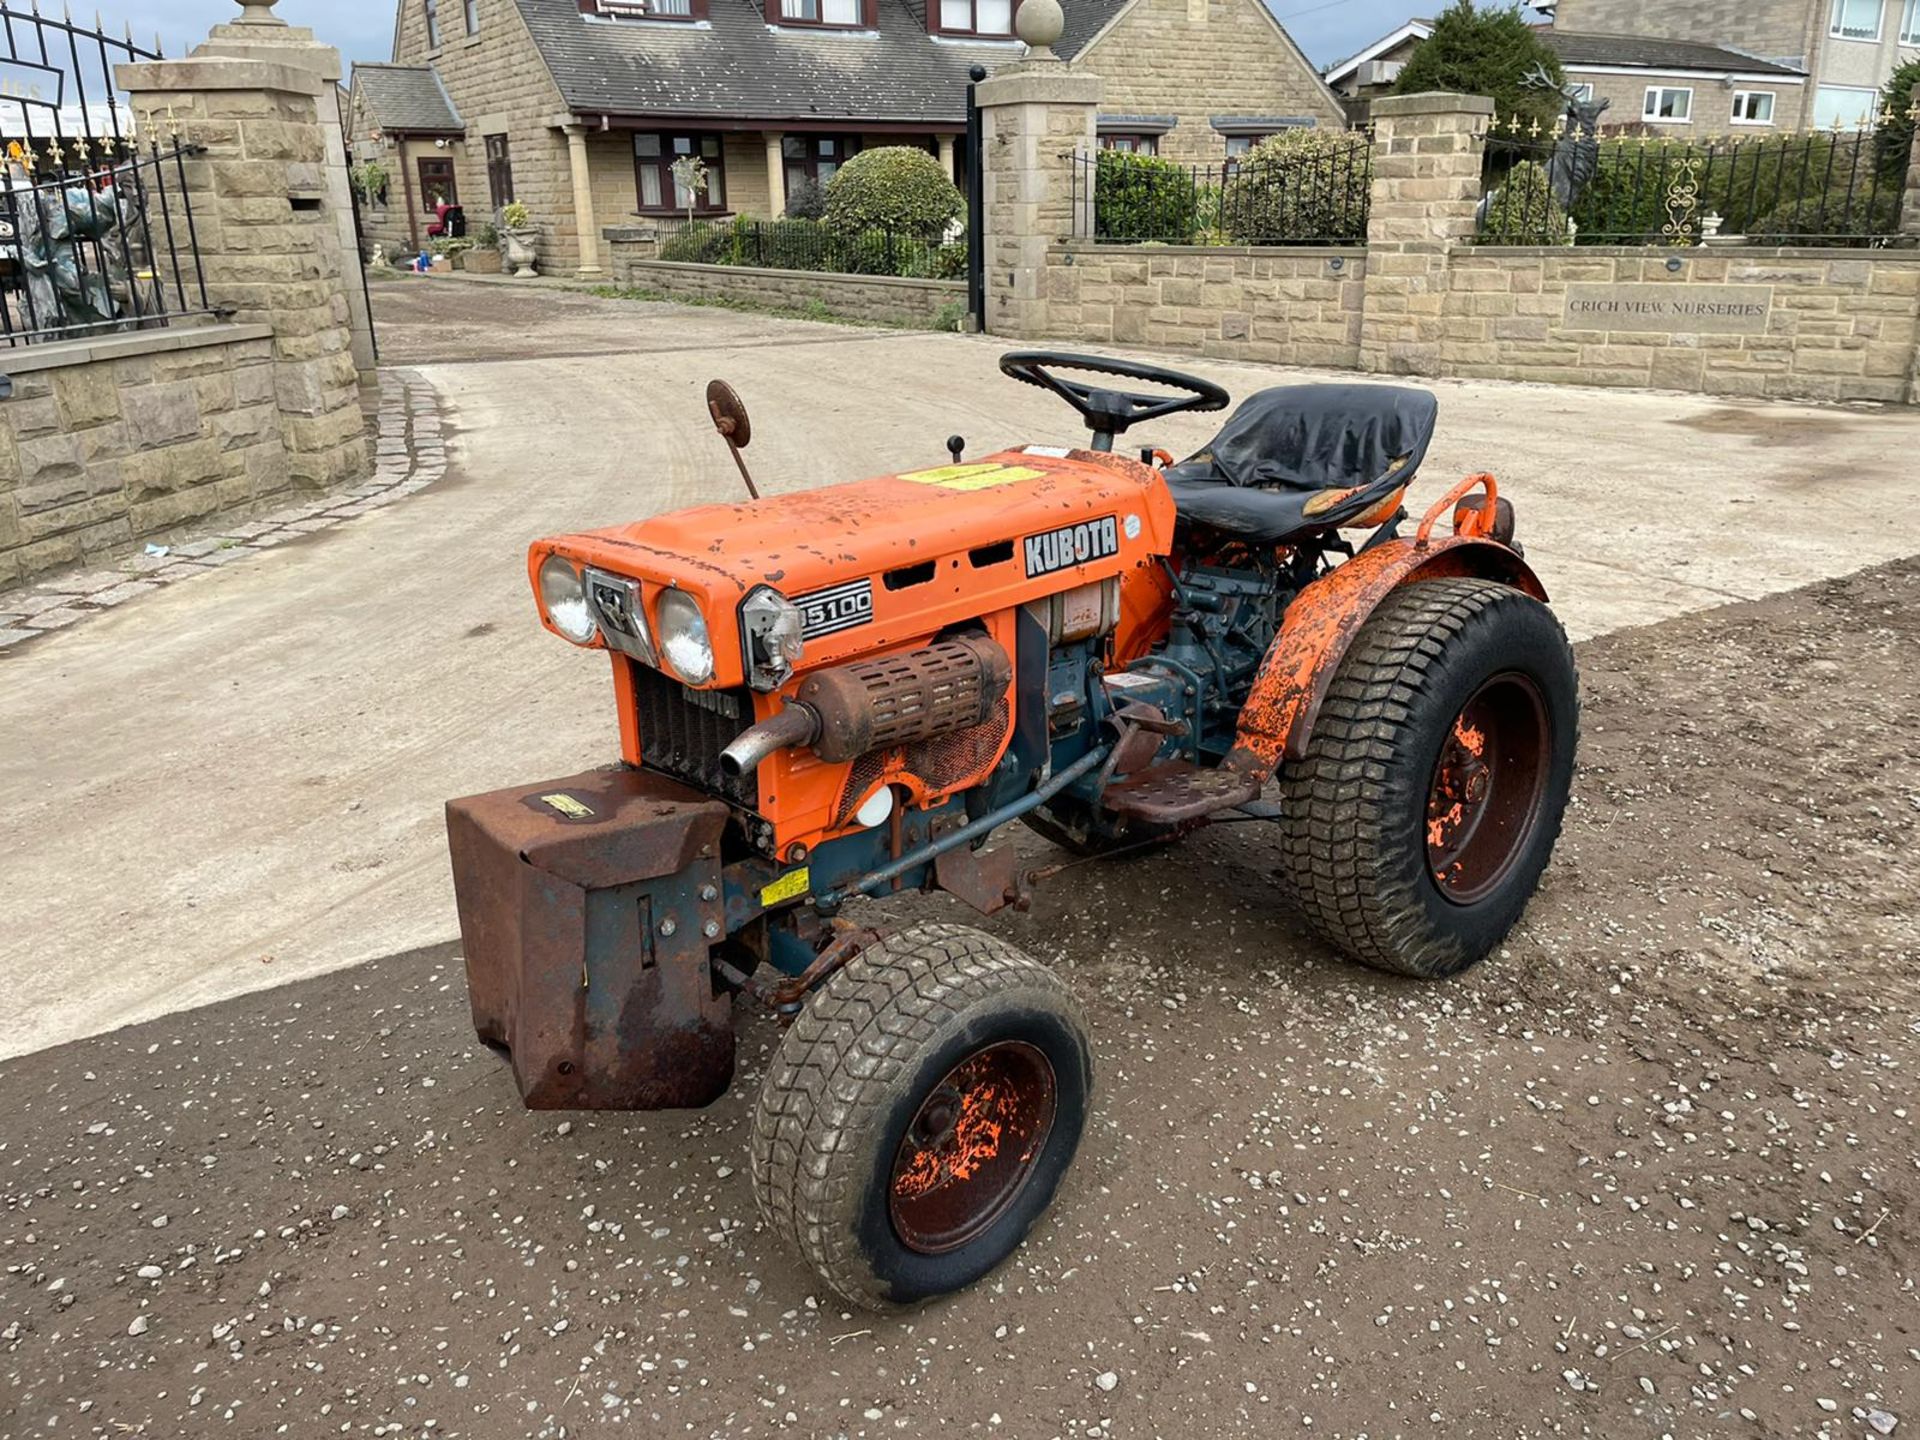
[[920, 1113], [1435, 781]]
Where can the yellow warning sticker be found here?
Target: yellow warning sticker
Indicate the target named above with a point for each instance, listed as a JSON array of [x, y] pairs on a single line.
[[789, 886], [983, 476], [568, 806]]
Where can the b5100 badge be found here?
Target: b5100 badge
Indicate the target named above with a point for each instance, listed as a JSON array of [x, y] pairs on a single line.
[[839, 607], [1072, 545]]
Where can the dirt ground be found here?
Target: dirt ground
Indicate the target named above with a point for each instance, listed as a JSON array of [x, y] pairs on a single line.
[[1649, 1172]]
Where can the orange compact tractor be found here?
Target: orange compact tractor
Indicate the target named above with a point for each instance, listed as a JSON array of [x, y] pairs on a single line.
[[828, 698]]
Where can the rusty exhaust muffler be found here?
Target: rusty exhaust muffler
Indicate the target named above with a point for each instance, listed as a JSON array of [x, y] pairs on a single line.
[[878, 704]]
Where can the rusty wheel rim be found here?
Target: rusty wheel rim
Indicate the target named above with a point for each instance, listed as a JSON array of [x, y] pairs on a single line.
[[1489, 780], [971, 1147]]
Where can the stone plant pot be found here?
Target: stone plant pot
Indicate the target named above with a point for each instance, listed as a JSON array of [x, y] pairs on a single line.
[[520, 249], [483, 262]]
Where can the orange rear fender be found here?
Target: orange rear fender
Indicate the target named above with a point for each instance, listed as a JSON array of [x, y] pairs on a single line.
[[1322, 622]]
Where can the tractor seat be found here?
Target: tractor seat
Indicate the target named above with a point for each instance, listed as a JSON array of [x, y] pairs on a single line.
[[1303, 459]]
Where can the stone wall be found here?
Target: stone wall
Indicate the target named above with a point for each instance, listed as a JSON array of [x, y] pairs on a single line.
[[882, 299], [1274, 305], [114, 441], [1422, 298], [1197, 59], [1801, 324]]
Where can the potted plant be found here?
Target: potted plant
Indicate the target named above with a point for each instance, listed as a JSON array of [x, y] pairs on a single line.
[[484, 258], [519, 241]]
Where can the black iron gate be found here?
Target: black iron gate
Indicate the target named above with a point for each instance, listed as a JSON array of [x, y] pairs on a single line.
[[976, 207], [96, 232]]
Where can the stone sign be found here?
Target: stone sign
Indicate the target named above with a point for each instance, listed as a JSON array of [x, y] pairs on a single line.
[[1671, 309]]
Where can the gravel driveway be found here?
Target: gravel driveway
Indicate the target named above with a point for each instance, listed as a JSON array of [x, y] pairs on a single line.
[[1649, 1172]]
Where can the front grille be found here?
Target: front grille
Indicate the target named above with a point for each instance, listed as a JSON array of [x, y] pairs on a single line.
[[682, 732]]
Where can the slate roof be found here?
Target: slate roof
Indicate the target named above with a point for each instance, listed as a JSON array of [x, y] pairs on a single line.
[[407, 98], [735, 67], [1645, 53]]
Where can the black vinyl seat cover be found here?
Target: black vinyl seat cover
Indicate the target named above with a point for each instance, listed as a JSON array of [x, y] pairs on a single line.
[[1284, 445]]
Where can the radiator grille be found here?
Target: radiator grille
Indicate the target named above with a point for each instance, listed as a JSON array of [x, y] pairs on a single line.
[[682, 732]]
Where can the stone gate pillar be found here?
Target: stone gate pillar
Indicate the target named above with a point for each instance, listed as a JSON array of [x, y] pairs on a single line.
[[266, 222], [259, 34], [1428, 151], [1036, 117]]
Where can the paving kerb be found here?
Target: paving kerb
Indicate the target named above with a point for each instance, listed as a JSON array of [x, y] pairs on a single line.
[[232, 783]]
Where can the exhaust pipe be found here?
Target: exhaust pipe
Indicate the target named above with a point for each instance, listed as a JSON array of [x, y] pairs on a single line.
[[795, 725], [882, 704]]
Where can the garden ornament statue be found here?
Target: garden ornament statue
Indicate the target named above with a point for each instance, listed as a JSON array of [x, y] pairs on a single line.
[[1576, 157], [257, 12]]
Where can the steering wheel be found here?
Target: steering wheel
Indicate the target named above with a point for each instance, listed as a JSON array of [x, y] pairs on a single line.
[[1111, 412]]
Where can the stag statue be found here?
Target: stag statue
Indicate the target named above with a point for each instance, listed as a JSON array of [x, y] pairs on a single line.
[[1576, 156]]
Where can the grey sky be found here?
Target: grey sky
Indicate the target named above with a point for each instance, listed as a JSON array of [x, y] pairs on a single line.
[[363, 29]]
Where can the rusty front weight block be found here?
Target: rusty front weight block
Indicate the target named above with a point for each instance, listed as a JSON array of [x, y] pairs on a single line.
[[587, 909]]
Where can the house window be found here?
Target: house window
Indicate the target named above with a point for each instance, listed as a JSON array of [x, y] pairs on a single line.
[[814, 157], [1844, 107], [473, 16], [1910, 24], [653, 157], [1855, 19], [1238, 145], [1131, 144], [669, 9], [1668, 105], [844, 14], [432, 10], [976, 17], [499, 171], [437, 184], [1582, 93], [1753, 107]]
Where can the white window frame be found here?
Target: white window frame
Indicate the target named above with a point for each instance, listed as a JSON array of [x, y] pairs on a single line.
[[1837, 15], [1910, 23], [1773, 105], [1861, 119], [1584, 90], [1650, 107]]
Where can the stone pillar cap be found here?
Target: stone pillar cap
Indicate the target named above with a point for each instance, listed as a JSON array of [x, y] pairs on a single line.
[[1433, 102]]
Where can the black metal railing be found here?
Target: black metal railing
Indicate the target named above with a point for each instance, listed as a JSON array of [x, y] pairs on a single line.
[[98, 251], [1308, 187], [813, 245], [1825, 188], [96, 230]]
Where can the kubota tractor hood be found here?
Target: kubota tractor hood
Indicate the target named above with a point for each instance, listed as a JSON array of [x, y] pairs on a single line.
[[923, 549]]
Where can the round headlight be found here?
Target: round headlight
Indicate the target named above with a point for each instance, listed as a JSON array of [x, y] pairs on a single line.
[[683, 637], [565, 600]]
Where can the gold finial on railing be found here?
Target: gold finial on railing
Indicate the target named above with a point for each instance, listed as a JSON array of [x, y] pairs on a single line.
[[173, 123]]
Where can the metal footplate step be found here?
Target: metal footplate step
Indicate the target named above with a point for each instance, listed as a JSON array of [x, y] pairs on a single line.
[[1177, 790]]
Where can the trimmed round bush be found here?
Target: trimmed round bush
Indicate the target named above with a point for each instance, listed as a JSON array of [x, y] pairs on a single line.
[[1298, 186], [893, 188]]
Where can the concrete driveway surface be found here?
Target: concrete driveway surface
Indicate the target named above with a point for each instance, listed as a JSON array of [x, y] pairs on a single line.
[[237, 781]]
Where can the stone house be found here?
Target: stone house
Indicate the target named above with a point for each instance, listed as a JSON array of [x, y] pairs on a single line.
[[1663, 85], [1847, 49], [578, 108]]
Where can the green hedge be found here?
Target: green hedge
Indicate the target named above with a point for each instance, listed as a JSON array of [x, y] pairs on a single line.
[[1141, 197], [1300, 185], [815, 245], [1523, 211]]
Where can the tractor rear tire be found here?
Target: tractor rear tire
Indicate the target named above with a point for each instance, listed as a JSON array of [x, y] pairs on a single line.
[[920, 1113], [1435, 782]]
